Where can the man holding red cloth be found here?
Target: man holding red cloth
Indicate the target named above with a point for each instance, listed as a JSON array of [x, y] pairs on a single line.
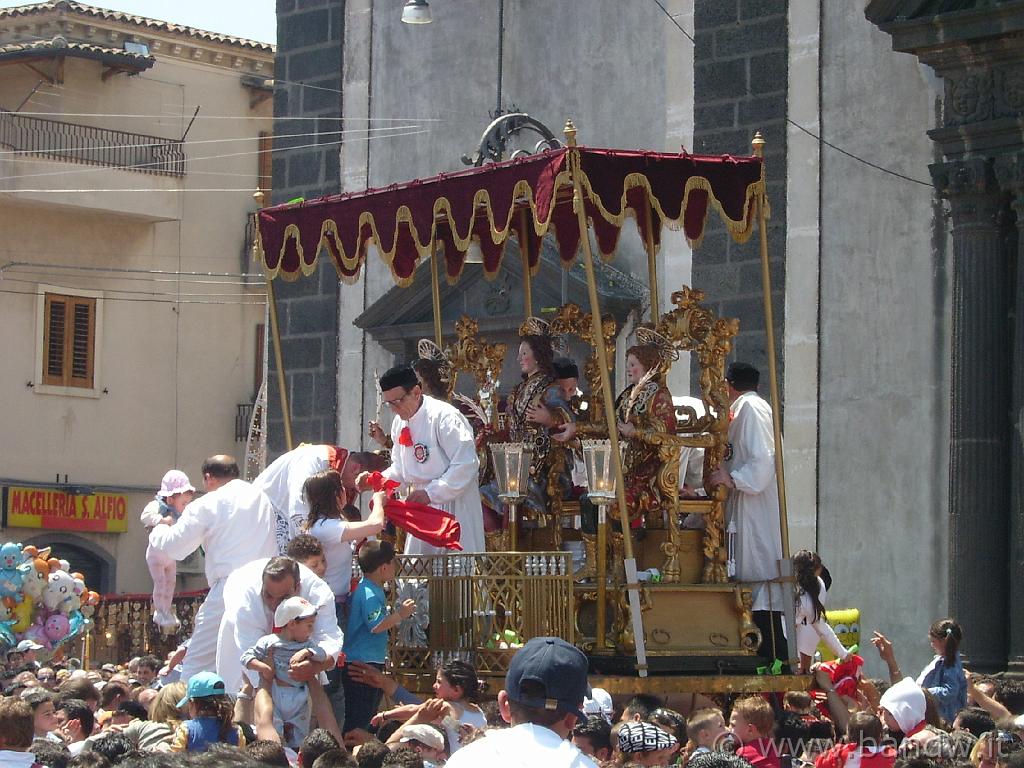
[[434, 459]]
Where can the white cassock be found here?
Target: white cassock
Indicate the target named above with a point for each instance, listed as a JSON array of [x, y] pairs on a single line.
[[247, 619], [441, 461], [233, 525], [282, 481], [754, 504]]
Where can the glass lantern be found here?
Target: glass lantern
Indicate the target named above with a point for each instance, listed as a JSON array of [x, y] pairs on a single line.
[[597, 455], [512, 469]]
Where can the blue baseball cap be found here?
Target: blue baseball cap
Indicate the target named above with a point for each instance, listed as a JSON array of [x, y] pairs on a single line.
[[203, 684], [558, 666]]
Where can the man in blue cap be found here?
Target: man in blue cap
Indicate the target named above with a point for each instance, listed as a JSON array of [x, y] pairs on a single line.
[[542, 701]]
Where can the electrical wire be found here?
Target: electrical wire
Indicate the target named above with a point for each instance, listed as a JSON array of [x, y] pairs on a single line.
[[852, 156], [141, 166], [673, 20], [810, 133], [256, 281], [152, 293], [154, 301], [199, 117], [165, 142]]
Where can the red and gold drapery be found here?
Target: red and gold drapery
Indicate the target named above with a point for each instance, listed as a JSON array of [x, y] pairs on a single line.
[[524, 198]]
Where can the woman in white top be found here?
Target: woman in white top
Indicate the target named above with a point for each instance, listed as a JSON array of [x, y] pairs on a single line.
[[811, 626], [326, 497]]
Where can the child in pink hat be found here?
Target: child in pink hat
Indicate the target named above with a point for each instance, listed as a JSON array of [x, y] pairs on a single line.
[[175, 492]]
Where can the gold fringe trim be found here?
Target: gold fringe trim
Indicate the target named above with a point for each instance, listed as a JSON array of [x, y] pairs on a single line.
[[740, 230]]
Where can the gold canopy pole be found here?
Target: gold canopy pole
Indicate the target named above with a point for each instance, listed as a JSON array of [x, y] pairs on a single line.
[[282, 384], [275, 331], [785, 565], [632, 586], [435, 291], [652, 261], [524, 251]]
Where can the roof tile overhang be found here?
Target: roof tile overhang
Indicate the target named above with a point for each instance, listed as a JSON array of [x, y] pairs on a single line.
[[67, 7], [59, 47]]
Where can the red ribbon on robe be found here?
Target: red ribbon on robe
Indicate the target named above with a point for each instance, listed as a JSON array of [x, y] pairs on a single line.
[[405, 437], [434, 526]]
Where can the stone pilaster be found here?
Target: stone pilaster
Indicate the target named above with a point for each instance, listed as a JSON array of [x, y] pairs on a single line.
[[979, 391], [1010, 174]]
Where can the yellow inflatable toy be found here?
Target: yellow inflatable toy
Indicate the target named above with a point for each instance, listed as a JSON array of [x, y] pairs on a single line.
[[846, 624]]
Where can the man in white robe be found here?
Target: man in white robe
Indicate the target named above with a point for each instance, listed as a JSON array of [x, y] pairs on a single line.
[[251, 595], [753, 504], [233, 523], [282, 482], [433, 458]]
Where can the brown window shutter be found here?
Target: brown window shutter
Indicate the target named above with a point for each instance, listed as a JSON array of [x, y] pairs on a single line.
[[266, 166], [82, 342], [54, 326], [69, 341]]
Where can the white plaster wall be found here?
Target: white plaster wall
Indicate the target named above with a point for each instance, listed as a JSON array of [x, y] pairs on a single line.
[[803, 187], [883, 431], [173, 374]]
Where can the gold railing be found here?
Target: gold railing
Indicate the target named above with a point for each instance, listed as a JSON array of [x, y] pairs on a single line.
[[479, 607]]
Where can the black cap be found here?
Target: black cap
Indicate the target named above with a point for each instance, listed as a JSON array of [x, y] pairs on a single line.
[[561, 668], [565, 368], [743, 376], [399, 376]]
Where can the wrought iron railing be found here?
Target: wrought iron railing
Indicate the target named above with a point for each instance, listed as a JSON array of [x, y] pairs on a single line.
[[479, 607], [243, 420], [87, 144]]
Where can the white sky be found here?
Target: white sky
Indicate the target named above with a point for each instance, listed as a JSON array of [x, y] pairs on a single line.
[[253, 19]]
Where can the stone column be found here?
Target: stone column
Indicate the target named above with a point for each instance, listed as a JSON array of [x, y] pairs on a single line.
[[1010, 173], [979, 398]]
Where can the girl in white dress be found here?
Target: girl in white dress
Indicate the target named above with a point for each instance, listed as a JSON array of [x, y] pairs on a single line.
[[811, 626]]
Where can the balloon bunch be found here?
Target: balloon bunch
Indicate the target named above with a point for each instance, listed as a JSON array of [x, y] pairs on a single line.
[[41, 599]]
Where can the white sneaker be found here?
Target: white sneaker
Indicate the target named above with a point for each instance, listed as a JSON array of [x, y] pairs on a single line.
[[166, 620]]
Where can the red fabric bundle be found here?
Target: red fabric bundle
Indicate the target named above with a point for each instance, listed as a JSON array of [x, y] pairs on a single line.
[[405, 437], [434, 526]]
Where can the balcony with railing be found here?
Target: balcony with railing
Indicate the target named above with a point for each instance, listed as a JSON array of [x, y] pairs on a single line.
[[35, 153], [87, 144]]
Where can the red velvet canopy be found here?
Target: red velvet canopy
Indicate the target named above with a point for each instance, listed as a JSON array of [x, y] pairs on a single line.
[[524, 197]]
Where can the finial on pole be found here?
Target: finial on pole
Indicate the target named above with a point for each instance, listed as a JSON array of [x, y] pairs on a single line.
[[570, 133], [757, 144], [259, 196]]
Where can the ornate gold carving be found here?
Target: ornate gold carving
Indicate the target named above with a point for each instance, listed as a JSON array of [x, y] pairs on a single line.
[[694, 328], [622, 626], [570, 320], [750, 635], [470, 354]]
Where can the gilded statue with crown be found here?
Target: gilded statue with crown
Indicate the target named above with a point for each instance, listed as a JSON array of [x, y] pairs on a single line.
[[644, 411], [535, 407]]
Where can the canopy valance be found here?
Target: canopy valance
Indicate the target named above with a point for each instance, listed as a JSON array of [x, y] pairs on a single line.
[[524, 198]]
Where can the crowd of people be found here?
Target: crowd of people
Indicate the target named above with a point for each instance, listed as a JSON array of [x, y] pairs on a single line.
[[546, 714], [285, 664]]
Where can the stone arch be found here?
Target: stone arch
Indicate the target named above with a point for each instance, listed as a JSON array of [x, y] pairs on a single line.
[[87, 557]]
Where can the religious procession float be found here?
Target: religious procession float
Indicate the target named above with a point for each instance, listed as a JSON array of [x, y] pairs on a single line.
[[650, 597]]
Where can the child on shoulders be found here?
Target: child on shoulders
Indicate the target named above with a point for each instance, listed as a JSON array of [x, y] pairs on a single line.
[[272, 657]]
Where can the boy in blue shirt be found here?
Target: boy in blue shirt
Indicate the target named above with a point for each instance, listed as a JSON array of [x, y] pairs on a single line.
[[366, 635]]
